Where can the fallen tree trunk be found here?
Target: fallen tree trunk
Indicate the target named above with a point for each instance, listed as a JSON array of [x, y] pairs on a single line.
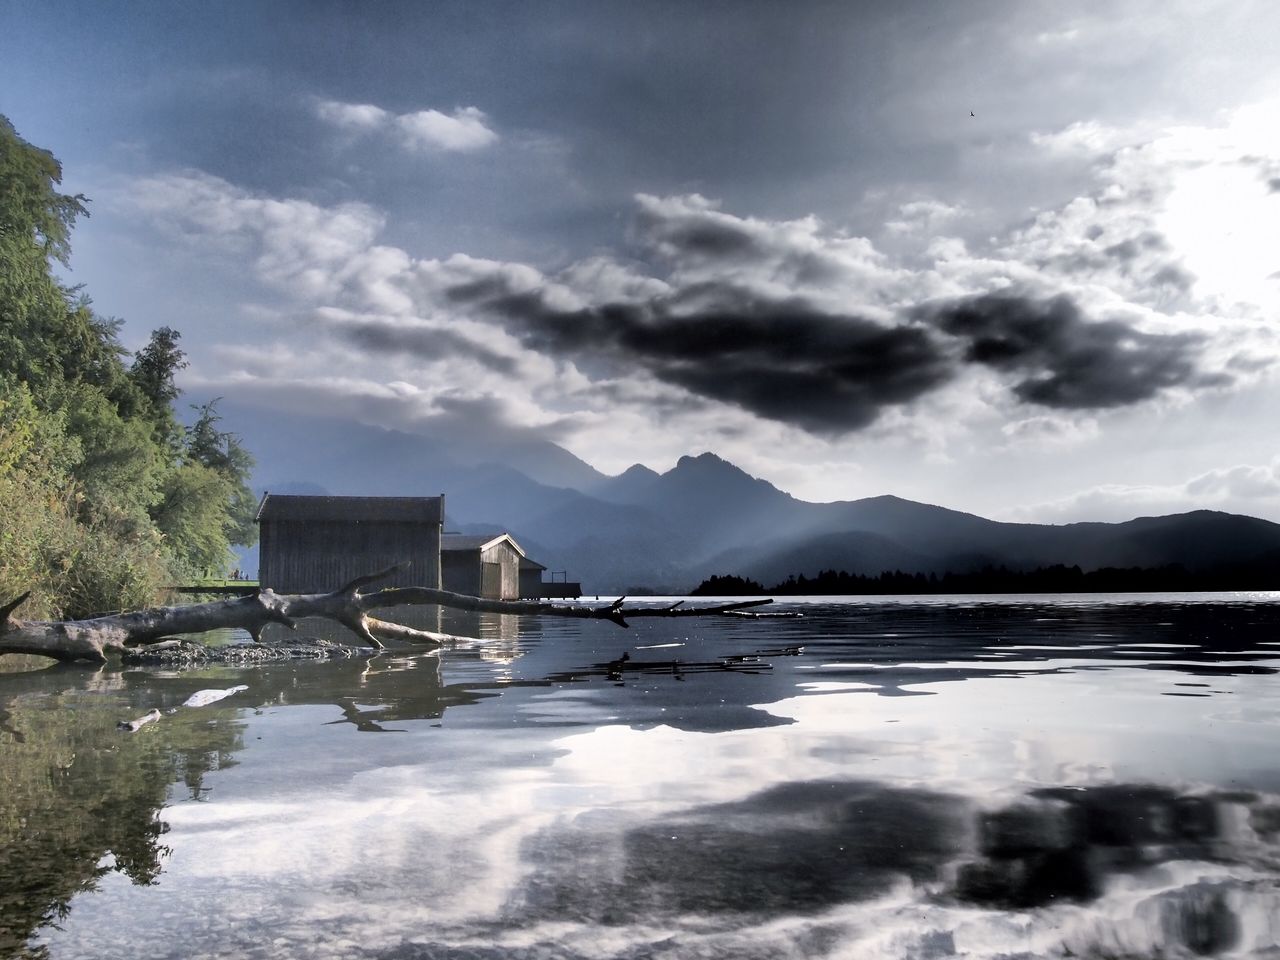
[[94, 639]]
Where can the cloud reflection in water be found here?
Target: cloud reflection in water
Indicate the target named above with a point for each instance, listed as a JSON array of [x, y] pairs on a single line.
[[1050, 803]]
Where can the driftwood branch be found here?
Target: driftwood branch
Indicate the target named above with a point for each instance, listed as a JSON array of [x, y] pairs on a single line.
[[133, 726], [95, 639]]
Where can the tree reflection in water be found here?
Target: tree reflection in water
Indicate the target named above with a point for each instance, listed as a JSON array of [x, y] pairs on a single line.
[[81, 799]]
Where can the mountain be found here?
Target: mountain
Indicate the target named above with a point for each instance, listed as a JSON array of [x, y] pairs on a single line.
[[720, 520], [667, 531], [350, 458], [630, 486], [1202, 541]]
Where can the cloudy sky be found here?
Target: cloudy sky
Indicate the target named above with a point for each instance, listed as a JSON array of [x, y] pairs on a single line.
[[1015, 257]]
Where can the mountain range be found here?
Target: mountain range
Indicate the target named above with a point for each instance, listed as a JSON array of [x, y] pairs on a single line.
[[665, 532]]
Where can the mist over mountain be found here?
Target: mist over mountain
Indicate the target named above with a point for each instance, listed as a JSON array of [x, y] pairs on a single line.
[[665, 532]]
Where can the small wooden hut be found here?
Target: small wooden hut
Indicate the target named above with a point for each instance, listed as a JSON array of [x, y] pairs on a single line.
[[312, 544], [481, 566], [530, 579]]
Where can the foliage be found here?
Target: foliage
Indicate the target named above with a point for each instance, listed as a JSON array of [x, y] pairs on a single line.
[[191, 515], [153, 371], [104, 497], [221, 451], [1259, 574], [727, 586], [76, 557]]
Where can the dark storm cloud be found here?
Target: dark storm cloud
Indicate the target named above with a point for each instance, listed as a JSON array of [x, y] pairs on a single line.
[[781, 359], [785, 359], [1068, 361], [397, 338], [699, 232]]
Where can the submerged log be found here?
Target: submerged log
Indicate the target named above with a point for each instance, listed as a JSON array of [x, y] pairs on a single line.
[[97, 638], [189, 652]]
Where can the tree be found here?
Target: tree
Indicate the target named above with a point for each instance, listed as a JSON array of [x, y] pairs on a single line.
[[32, 212], [35, 226], [154, 368], [221, 451], [192, 515]]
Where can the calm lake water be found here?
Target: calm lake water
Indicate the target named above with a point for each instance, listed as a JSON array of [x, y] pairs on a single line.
[[915, 777]]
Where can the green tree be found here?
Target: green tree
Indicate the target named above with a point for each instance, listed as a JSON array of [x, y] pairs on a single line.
[[123, 467], [35, 226], [154, 369], [206, 504], [32, 212], [78, 557], [192, 515], [104, 498], [222, 452]]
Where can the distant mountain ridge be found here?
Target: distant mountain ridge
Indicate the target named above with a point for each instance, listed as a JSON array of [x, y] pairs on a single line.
[[666, 532]]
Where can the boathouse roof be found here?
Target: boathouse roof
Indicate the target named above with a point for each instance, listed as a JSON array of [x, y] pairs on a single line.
[[351, 509], [459, 542]]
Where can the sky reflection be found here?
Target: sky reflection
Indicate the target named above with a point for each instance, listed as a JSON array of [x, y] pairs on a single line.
[[534, 804]]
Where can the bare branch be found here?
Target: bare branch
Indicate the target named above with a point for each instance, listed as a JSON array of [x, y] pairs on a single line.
[[133, 726], [355, 585], [13, 605]]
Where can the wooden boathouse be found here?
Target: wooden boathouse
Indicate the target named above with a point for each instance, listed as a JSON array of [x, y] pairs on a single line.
[[310, 544], [481, 566]]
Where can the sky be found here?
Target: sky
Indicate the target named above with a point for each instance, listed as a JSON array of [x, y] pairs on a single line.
[[1014, 257]]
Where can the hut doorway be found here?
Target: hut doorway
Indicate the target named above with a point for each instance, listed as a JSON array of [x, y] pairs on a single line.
[[491, 580]]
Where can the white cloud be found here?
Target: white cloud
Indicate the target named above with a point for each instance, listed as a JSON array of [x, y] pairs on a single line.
[[1051, 431], [924, 216], [1085, 137], [464, 130], [352, 116], [296, 245], [1241, 482], [804, 257], [1251, 489], [1183, 217]]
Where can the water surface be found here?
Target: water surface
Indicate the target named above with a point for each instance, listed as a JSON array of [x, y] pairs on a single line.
[[922, 777]]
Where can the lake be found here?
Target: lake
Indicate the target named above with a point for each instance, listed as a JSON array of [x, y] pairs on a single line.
[[879, 777]]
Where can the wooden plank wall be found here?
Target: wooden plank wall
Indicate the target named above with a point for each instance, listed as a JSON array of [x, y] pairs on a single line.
[[508, 559], [314, 556], [530, 584], [461, 572]]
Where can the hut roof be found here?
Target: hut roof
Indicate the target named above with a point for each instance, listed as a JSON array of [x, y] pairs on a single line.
[[351, 509], [527, 564], [460, 542]]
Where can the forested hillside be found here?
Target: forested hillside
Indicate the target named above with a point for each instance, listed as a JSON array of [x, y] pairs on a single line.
[[105, 496]]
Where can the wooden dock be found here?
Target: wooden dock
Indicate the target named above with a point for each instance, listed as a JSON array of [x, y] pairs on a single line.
[[560, 590]]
